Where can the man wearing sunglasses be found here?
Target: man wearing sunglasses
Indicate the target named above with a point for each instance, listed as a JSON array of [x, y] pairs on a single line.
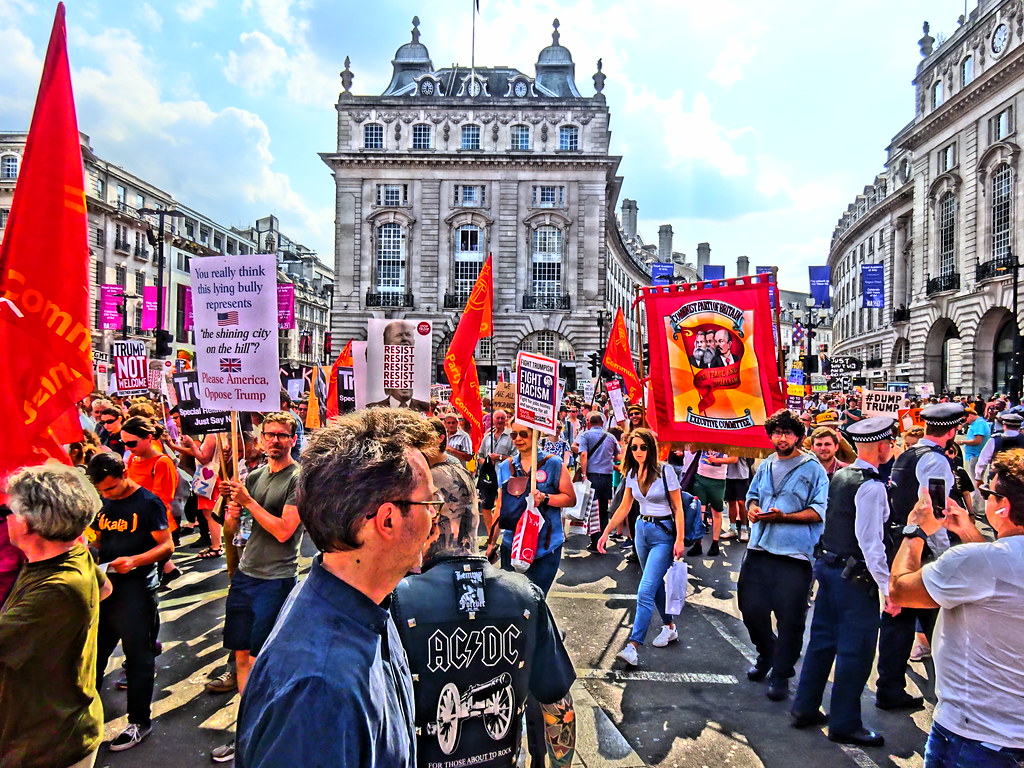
[[269, 563], [978, 588], [332, 684]]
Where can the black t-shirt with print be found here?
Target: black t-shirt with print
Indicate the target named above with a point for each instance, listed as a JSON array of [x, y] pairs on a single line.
[[126, 528]]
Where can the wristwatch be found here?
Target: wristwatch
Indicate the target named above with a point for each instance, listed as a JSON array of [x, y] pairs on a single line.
[[547, 498], [914, 531]]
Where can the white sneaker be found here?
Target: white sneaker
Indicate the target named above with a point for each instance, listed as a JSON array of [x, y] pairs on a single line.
[[744, 534], [628, 655], [667, 635]]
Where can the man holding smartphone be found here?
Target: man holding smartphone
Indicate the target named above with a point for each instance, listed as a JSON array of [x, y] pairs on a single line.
[[923, 465]]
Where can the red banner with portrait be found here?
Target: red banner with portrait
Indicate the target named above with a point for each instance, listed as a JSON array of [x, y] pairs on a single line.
[[714, 364]]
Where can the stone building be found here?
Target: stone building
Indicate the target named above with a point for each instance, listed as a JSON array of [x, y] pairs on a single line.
[[942, 220], [450, 164]]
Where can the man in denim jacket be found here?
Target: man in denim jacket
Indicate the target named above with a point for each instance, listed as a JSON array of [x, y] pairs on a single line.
[[786, 508]]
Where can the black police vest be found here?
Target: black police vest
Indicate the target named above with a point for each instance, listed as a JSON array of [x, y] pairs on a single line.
[[904, 487], [840, 536], [470, 663], [1007, 443]]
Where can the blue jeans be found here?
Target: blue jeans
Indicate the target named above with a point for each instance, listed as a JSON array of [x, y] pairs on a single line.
[[654, 549], [946, 749], [543, 570]]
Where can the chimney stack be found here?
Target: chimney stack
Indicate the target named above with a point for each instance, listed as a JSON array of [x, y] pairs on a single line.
[[665, 242], [742, 266], [703, 256], [629, 210]]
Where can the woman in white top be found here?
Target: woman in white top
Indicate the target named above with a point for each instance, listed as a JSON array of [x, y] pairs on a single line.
[[659, 535]]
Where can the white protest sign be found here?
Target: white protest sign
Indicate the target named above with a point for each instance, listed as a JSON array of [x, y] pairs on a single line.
[[878, 403], [614, 389], [537, 392], [235, 303], [926, 390], [131, 369], [588, 390], [398, 363]]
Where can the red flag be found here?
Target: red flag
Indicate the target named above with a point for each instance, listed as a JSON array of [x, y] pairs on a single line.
[[44, 323], [460, 364], [344, 361], [618, 359]]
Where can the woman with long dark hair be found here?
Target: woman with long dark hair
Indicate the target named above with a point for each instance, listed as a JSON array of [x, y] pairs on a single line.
[[660, 529]]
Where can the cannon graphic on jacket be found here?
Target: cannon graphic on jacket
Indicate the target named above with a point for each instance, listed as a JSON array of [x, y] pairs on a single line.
[[493, 702]]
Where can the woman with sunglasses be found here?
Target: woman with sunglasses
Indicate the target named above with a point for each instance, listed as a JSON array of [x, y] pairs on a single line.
[[659, 536], [109, 430], [554, 491], [147, 465]]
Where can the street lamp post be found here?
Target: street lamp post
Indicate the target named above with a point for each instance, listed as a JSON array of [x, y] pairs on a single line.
[[811, 315], [123, 309], [1015, 366], [162, 346]]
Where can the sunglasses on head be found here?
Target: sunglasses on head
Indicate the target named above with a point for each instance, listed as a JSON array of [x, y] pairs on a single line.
[[523, 433]]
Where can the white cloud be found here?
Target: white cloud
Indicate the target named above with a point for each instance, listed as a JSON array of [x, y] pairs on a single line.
[[19, 76], [151, 19], [255, 66], [193, 10]]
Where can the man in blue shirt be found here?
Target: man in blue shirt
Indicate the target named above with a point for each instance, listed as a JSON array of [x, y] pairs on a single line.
[[598, 452], [331, 685], [978, 433]]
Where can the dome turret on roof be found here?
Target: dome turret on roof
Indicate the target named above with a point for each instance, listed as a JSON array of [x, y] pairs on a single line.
[[411, 60], [555, 68]]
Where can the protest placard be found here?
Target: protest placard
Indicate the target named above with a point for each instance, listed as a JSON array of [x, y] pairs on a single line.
[[879, 403], [505, 397], [588, 390], [614, 390], [536, 392], [195, 420], [359, 374], [398, 367], [235, 306], [131, 369]]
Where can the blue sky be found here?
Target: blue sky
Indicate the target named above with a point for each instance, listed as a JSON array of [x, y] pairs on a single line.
[[749, 124]]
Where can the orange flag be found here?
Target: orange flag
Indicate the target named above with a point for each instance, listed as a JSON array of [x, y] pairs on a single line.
[[476, 323], [44, 323], [618, 359], [344, 361]]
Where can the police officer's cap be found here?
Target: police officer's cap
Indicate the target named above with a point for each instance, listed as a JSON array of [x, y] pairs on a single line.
[[943, 415], [1012, 420], [873, 430]]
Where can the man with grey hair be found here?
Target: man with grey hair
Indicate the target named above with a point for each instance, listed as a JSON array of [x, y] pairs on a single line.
[[598, 452], [332, 683], [50, 713]]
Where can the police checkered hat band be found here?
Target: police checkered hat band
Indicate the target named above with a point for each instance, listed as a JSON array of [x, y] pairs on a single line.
[[943, 415], [873, 430]]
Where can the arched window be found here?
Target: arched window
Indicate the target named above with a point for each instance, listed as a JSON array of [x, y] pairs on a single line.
[[546, 272], [938, 94], [469, 257], [422, 136], [1002, 210], [9, 167], [548, 344], [373, 136], [471, 137], [569, 138], [391, 258], [947, 234], [519, 137], [967, 71]]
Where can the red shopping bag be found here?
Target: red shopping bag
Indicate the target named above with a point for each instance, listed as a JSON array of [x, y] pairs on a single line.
[[524, 541]]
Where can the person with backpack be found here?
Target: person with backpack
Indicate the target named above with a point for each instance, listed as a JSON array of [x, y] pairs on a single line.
[[659, 539], [598, 451], [554, 491]]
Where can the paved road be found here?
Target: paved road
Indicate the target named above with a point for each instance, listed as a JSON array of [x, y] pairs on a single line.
[[686, 705]]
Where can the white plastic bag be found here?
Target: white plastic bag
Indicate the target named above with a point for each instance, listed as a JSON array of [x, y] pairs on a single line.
[[584, 497], [675, 588]]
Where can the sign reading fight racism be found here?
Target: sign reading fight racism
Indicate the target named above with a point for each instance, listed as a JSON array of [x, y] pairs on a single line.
[[398, 364], [131, 369], [195, 420], [537, 392], [878, 403], [235, 304]]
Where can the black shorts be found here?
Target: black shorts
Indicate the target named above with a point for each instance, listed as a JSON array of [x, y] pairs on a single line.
[[736, 490], [251, 610]]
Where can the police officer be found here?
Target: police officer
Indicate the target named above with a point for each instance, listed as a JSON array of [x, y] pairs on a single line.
[[1009, 438], [851, 569], [913, 469], [480, 641]]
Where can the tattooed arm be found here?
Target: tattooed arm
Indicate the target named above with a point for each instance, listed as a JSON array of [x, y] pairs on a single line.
[[560, 731]]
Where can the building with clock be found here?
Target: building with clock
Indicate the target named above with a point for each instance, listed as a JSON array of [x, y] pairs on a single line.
[[942, 218], [448, 165]]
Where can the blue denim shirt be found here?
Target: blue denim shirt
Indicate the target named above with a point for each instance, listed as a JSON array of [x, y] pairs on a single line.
[[330, 687], [806, 487]]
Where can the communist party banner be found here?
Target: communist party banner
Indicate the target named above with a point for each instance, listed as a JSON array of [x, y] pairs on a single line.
[[618, 359], [44, 323], [714, 371]]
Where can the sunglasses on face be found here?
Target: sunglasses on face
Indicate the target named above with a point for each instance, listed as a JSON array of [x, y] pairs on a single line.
[[131, 443], [635, 448], [524, 434], [109, 421], [986, 491]]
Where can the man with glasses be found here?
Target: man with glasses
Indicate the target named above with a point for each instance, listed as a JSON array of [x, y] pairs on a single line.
[[269, 563], [978, 588], [332, 685], [786, 508]]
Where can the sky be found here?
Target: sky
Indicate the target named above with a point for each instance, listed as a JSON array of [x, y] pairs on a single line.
[[748, 124]]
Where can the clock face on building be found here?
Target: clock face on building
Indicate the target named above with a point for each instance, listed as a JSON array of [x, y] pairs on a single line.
[[427, 87], [474, 88], [520, 89], [1000, 38]]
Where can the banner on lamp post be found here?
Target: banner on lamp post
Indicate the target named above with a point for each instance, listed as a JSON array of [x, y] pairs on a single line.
[[190, 319], [713, 272], [662, 272], [820, 279], [285, 306], [873, 285], [771, 288], [110, 297], [149, 303]]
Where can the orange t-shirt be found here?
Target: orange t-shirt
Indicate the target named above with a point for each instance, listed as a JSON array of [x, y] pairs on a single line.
[[158, 475]]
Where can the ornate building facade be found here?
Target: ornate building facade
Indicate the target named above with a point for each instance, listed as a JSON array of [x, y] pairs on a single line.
[[449, 165], [943, 220]]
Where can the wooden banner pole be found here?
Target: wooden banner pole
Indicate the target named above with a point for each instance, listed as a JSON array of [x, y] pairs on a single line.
[[234, 445], [533, 461]]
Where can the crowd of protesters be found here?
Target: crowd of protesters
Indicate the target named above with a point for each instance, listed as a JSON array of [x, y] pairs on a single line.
[[415, 535]]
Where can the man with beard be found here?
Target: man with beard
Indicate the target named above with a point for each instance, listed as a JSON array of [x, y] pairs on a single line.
[[786, 508]]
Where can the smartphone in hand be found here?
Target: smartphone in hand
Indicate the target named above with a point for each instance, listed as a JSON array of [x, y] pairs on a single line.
[[937, 493]]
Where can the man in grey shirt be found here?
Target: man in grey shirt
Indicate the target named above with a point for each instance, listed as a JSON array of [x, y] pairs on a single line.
[[598, 453]]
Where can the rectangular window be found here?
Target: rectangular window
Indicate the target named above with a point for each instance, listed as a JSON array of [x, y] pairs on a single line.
[[373, 136], [121, 275], [547, 262], [391, 259], [1002, 200], [101, 189], [1002, 124], [140, 201], [470, 195], [938, 95], [99, 273], [179, 313], [519, 136], [96, 314], [4, 215], [947, 157], [967, 71], [392, 194], [218, 243], [468, 257], [569, 138], [121, 192], [422, 136], [471, 137], [947, 234], [548, 196], [140, 281]]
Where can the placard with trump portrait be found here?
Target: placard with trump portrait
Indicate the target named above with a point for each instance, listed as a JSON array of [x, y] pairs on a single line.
[[398, 364], [714, 370]]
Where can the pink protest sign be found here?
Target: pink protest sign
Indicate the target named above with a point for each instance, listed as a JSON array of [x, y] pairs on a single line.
[[110, 297], [285, 306]]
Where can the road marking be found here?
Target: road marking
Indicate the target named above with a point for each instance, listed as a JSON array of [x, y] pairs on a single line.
[[594, 595], [746, 650], [599, 744], [615, 675]]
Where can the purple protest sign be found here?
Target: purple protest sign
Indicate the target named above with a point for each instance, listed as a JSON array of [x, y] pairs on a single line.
[[285, 306], [110, 297], [149, 307], [189, 317]]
